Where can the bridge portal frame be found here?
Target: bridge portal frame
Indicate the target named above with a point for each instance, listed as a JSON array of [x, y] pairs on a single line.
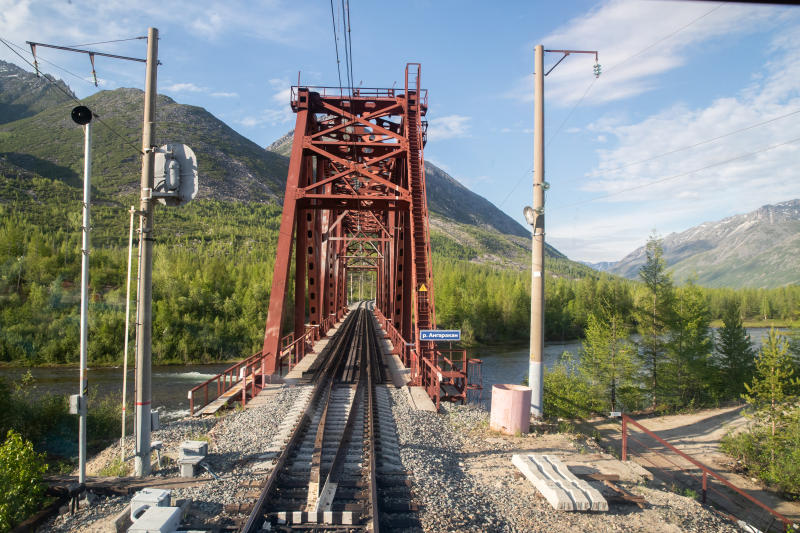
[[355, 198]]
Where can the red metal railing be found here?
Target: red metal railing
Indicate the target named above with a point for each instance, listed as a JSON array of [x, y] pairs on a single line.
[[447, 366], [358, 92], [706, 471], [224, 381], [430, 381], [292, 352]]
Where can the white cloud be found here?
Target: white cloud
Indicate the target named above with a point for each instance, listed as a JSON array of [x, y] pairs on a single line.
[[277, 114], [628, 36], [185, 87], [752, 162], [70, 22], [192, 88], [249, 122], [448, 127]]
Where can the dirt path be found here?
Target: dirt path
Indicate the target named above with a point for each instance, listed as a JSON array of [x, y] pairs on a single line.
[[698, 435]]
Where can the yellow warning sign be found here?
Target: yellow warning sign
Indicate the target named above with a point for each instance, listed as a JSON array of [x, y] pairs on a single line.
[[423, 288]]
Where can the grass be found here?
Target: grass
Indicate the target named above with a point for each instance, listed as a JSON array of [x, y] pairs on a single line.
[[200, 436], [116, 468]]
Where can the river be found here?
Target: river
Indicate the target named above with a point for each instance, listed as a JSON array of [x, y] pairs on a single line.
[[509, 364], [501, 364], [170, 383]]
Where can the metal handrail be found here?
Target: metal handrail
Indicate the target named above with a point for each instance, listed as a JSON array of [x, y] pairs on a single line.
[[626, 419], [225, 380], [358, 92], [251, 366]]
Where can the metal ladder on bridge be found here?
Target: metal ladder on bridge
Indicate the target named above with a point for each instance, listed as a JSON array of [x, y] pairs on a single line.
[[424, 310]]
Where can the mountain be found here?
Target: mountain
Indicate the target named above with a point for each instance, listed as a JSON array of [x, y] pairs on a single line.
[[39, 137], [602, 266], [49, 143], [23, 94], [757, 249]]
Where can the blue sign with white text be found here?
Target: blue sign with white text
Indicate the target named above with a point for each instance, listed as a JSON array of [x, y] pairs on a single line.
[[440, 335]]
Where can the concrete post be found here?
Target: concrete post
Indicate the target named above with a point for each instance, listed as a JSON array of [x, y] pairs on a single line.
[[144, 316], [535, 373]]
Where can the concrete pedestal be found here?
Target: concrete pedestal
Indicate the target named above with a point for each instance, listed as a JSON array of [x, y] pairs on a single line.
[[511, 409]]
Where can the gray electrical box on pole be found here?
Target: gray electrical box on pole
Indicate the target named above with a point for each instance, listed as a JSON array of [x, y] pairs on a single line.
[[175, 179]]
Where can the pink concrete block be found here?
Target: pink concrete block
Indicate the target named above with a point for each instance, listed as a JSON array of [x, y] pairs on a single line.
[[511, 409]]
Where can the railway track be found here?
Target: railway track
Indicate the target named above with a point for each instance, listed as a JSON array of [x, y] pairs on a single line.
[[339, 468]]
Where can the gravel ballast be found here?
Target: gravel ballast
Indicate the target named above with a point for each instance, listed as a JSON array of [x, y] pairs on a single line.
[[462, 475]]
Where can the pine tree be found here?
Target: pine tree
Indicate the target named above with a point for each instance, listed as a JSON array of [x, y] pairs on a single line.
[[769, 391], [607, 357], [653, 312], [689, 347], [735, 353]]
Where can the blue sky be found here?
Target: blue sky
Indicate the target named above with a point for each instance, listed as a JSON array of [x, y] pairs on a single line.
[[721, 79]]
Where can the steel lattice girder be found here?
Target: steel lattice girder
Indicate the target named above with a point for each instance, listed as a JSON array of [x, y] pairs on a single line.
[[355, 199]]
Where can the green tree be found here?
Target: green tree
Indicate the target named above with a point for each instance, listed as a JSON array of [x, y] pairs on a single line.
[[688, 348], [769, 391], [653, 312], [735, 355], [764, 310], [608, 358], [21, 488], [566, 394]]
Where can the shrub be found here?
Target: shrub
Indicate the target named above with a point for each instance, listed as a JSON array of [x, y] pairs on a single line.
[[567, 394], [776, 460], [21, 487]]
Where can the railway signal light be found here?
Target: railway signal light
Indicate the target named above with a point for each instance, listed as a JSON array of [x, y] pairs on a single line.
[[597, 70]]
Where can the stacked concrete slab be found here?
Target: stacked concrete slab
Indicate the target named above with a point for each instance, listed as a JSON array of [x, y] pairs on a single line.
[[558, 485]]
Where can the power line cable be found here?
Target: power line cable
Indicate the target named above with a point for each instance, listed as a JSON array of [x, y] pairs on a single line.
[[514, 188], [643, 50], [336, 45], [695, 145], [585, 93], [106, 42], [347, 48], [680, 175], [350, 46], [646, 48], [520, 180]]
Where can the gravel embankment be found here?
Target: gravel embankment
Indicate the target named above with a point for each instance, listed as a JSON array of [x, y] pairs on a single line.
[[236, 439], [462, 475], [464, 481]]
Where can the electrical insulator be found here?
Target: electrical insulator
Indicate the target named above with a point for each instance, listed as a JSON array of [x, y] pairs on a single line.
[[597, 70]]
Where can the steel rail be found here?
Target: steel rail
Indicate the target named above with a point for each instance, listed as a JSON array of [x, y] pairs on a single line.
[[331, 478], [371, 414], [256, 517]]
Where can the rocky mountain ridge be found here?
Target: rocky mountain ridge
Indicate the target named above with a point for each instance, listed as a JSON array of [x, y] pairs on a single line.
[[756, 249], [23, 94]]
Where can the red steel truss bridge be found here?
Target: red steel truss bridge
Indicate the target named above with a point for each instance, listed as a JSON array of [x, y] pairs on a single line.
[[355, 201]]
